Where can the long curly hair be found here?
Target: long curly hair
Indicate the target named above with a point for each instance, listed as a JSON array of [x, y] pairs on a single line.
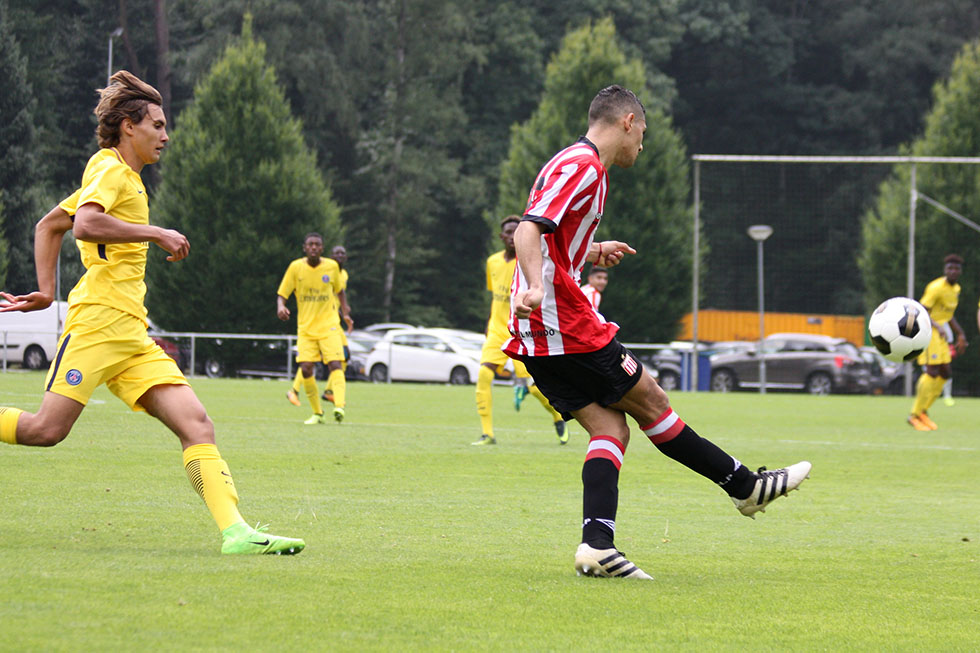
[[126, 96]]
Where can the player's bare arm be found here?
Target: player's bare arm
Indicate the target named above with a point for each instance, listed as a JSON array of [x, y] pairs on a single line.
[[608, 253], [93, 225], [527, 244], [282, 311], [961, 342], [48, 234], [345, 310]]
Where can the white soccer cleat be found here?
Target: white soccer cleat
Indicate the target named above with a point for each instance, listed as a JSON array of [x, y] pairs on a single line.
[[605, 563], [771, 485]]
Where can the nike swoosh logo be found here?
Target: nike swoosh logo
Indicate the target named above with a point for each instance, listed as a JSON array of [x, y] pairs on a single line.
[[263, 543], [225, 474]]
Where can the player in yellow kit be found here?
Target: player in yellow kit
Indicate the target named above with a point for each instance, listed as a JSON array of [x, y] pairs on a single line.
[[316, 281], [339, 254], [500, 273], [941, 297], [105, 338]]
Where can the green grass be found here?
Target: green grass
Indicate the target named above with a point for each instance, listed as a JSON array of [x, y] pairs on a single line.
[[417, 540]]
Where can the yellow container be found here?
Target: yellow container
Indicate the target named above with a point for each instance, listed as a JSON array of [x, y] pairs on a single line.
[[715, 325]]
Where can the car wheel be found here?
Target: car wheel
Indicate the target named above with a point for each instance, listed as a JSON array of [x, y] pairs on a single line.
[[459, 376], [669, 381], [379, 373], [214, 368], [34, 358], [723, 381], [819, 383]]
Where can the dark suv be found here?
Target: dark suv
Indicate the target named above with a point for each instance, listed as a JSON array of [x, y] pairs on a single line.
[[794, 361]]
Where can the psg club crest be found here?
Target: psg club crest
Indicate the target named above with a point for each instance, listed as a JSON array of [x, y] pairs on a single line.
[[326, 278], [73, 377]]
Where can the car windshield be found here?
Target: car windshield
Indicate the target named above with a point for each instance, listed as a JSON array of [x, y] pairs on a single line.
[[464, 342]]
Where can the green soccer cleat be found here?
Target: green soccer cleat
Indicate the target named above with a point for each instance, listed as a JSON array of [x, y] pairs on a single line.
[[561, 431], [242, 538], [316, 418], [520, 391], [338, 414], [485, 439]]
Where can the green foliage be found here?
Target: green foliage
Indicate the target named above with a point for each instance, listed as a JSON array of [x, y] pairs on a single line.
[[646, 205], [241, 184], [952, 129], [18, 162]]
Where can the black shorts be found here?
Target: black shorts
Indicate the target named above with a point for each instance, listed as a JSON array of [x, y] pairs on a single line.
[[573, 381]]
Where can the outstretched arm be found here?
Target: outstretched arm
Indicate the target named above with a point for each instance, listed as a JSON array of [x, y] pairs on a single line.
[[48, 234], [608, 253], [93, 225]]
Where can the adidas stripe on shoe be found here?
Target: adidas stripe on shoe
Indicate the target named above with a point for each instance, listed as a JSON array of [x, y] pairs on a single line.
[[769, 486], [606, 563]]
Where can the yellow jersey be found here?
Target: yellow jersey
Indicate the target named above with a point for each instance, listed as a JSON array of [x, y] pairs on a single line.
[[941, 298], [500, 274], [113, 271], [316, 291]]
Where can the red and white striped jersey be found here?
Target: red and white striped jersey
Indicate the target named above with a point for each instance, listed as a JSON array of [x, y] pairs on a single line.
[[593, 295], [567, 198]]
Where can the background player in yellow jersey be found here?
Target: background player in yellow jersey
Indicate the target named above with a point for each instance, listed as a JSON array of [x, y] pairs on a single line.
[[500, 273], [941, 298], [105, 338], [339, 254], [316, 281]]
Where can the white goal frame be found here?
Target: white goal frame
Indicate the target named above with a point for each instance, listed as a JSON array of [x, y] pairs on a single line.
[[914, 197]]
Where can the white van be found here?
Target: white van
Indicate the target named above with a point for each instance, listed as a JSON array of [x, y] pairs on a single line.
[[31, 339]]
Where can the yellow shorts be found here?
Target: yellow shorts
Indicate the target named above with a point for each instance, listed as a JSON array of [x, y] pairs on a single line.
[[937, 353], [494, 355], [104, 345], [328, 349]]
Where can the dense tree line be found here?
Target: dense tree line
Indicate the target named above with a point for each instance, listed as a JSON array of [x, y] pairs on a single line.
[[422, 118]]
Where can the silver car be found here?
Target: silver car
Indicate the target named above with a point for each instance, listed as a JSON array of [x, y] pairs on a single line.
[[812, 363]]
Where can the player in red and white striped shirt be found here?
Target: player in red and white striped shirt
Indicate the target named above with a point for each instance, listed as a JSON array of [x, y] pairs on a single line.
[[572, 352], [598, 280]]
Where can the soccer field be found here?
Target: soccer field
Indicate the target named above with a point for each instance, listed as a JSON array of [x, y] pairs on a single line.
[[418, 541]]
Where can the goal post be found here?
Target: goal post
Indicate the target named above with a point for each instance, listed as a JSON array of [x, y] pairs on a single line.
[[723, 187]]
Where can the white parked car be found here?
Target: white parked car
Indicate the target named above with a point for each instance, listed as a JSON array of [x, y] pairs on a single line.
[[436, 355], [31, 338]]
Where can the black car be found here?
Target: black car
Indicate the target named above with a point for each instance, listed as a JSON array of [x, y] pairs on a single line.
[[816, 364]]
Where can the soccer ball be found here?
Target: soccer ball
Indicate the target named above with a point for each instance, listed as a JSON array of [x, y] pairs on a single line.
[[900, 328]]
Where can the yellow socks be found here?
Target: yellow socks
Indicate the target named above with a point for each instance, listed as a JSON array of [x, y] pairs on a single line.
[[298, 381], [484, 399], [8, 424], [926, 390], [209, 475], [534, 390], [935, 388], [338, 384], [309, 385]]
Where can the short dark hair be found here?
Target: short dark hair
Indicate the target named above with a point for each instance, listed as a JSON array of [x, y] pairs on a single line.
[[598, 268], [614, 102], [953, 258], [312, 234], [509, 219]]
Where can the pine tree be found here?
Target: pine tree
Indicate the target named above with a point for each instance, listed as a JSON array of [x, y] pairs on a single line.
[[646, 205], [241, 184], [18, 164]]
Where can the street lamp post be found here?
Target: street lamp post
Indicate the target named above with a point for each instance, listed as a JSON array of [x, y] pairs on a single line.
[[115, 33], [759, 233]]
